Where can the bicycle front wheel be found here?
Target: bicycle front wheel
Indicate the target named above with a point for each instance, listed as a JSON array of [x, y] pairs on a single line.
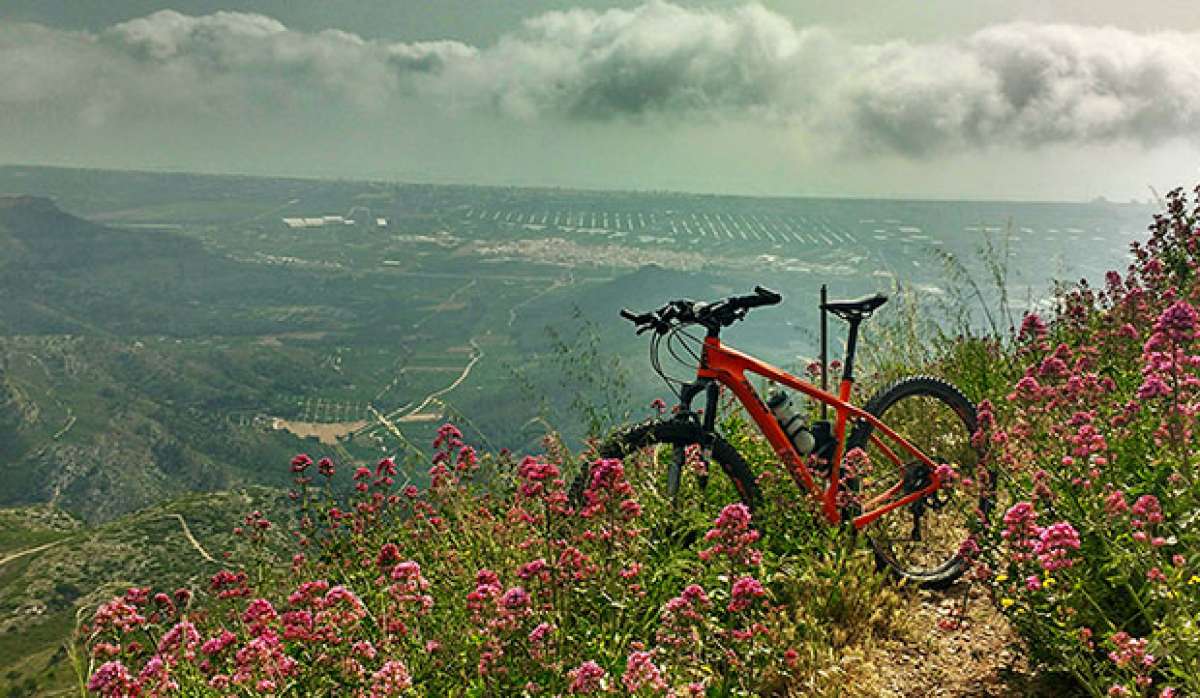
[[921, 541], [668, 464]]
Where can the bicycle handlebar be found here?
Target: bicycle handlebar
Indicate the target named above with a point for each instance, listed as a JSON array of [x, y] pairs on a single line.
[[712, 315]]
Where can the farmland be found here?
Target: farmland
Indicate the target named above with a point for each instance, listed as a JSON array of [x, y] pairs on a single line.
[[396, 305]]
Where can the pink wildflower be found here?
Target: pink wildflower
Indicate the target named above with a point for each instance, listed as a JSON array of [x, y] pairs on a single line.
[[1153, 387], [300, 463], [259, 613], [113, 679], [1032, 328], [1115, 503], [535, 476], [392, 679], [156, 677], [118, 614], [745, 591], [540, 633], [1054, 544], [448, 435], [587, 678], [515, 599], [1129, 651], [214, 645], [1146, 510], [1177, 322], [364, 650], [607, 485], [641, 673], [182, 636], [325, 467], [732, 536]]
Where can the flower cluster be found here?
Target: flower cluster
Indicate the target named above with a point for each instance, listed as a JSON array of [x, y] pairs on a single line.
[[1098, 432], [733, 538], [489, 579]]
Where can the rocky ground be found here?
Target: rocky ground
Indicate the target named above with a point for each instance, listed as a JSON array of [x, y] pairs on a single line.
[[980, 658]]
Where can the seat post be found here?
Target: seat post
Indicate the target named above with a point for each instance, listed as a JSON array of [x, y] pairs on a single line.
[[824, 350], [853, 312], [851, 346]]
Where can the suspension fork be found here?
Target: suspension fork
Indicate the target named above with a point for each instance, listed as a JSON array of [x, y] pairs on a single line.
[[708, 426], [712, 391]]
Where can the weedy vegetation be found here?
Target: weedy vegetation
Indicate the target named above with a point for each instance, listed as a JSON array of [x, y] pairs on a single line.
[[492, 580]]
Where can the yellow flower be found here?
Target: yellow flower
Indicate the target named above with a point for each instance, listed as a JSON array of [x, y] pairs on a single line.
[[1194, 580], [1049, 582], [1002, 578], [1006, 602]]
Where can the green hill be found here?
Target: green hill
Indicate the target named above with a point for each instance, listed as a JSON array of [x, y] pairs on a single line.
[[103, 409], [51, 566]]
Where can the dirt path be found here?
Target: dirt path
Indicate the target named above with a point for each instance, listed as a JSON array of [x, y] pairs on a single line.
[[408, 410], [565, 280], [187, 532], [980, 659], [448, 302], [28, 551], [466, 373], [392, 428]]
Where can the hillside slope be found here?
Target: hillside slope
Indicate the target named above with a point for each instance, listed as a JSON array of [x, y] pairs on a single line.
[[103, 407], [51, 567]]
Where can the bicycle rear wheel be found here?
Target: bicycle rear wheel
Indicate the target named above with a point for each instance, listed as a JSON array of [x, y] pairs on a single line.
[[922, 540]]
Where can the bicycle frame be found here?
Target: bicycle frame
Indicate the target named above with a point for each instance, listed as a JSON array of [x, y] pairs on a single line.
[[729, 367]]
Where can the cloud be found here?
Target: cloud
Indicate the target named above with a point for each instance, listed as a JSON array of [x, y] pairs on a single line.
[[656, 59], [1026, 84], [1014, 84]]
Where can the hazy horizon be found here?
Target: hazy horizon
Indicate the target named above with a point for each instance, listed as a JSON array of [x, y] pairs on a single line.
[[1149, 199]]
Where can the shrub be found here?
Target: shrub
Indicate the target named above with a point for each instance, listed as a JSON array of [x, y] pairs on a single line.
[[1095, 559]]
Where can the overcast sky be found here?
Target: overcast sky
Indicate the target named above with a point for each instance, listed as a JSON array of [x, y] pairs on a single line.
[[944, 98]]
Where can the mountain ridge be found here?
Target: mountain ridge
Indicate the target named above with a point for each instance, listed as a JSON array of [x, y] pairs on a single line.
[[96, 415]]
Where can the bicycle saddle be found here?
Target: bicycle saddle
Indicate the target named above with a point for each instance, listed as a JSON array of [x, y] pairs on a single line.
[[856, 309]]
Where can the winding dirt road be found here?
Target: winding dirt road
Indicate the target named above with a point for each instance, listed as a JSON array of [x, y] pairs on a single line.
[[28, 551], [466, 373], [187, 533]]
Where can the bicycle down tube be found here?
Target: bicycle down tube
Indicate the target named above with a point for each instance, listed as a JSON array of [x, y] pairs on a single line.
[[729, 367]]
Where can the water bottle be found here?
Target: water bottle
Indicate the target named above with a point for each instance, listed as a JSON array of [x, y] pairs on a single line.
[[792, 421]]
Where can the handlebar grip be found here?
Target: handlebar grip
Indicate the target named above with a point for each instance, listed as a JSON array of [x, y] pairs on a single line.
[[771, 297], [762, 296], [629, 315]]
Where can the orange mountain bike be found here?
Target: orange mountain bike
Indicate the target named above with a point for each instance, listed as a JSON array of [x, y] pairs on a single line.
[[916, 434]]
